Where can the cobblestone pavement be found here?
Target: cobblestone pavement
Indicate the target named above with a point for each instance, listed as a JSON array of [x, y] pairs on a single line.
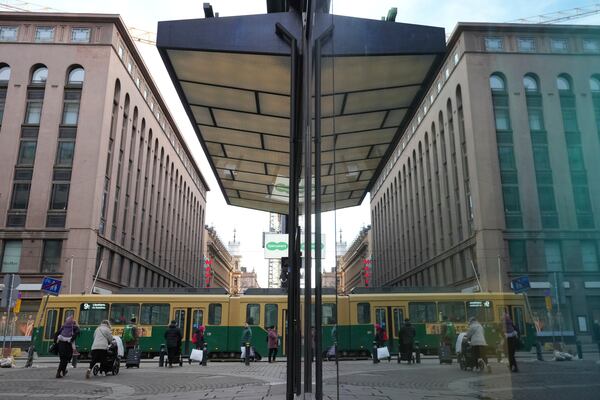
[[357, 380]]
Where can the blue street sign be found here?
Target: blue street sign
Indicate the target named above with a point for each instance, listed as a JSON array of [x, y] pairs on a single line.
[[51, 286], [520, 284]]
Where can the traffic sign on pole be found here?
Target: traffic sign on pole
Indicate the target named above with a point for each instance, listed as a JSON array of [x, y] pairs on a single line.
[[520, 284], [51, 286], [10, 292]]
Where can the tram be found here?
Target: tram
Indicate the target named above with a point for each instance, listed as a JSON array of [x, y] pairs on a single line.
[[348, 321]]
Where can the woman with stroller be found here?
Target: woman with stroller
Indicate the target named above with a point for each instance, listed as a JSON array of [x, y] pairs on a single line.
[[476, 336], [65, 338], [102, 339], [173, 338]]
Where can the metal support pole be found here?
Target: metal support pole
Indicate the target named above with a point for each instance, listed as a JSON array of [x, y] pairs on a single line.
[[31, 349], [11, 280]]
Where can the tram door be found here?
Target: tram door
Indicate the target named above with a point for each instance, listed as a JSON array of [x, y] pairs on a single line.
[[181, 318], [398, 320], [197, 322], [50, 326]]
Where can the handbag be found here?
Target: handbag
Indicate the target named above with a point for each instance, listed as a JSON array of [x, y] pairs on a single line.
[[53, 349], [383, 352], [196, 355]]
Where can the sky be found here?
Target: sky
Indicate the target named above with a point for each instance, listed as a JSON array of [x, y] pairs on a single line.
[[249, 224]]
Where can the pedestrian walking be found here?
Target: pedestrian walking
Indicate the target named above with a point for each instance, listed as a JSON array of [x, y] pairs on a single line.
[[273, 343], [130, 335], [173, 339], [476, 336], [512, 339], [64, 339], [246, 340], [407, 341], [198, 337], [102, 339]]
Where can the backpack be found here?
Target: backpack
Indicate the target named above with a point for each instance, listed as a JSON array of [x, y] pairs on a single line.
[[128, 334]]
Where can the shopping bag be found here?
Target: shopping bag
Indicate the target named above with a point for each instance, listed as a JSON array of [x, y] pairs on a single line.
[[196, 355], [383, 352], [243, 355]]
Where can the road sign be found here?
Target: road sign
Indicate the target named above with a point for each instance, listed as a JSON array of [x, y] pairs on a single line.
[[10, 292], [548, 303], [520, 284], [51, 286]]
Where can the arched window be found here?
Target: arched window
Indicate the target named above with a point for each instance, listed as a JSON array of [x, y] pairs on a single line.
[[76, 76], [563, 83], [39, 75], [497, 83], [594, 83], [530, 83], [4, 73]]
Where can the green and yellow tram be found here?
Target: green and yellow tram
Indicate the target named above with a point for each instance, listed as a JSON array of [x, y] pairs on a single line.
[[353, 317]]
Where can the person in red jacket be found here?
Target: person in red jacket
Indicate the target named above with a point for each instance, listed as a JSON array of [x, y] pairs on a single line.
[[273, 343]]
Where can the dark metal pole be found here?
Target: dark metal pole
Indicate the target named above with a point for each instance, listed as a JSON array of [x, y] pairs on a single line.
[[318, 287], [293, 384]]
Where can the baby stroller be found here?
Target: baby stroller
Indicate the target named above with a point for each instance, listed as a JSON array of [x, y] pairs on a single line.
[[111, 363], [466, 356]]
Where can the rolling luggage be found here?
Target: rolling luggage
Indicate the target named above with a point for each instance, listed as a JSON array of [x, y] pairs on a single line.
[[133, 358], [445, 354]]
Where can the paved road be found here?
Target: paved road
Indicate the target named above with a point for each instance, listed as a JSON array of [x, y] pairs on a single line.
[[357, 380]]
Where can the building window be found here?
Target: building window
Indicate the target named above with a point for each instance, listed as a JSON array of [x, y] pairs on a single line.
[[518, 255], [33, 113], [60, 196], [575, 156], [546, 195], [51, 255], [26, 152], [44, 34], [80, 35], [64, 153], [4, 74], [8, 33], [502, 119], [497, 83], [526, 44], [506, 155], [559, 45], [536, 119], [530, 84], [541, 158], [456, 58], [20, 196], [563, 84], [581, 197], [591, 45], [594, 83], [589, 256], [40, 75], [11, 256], [553, 255], [511, 199], [76, 76], [129, 67], [494, 43], [120, 51]]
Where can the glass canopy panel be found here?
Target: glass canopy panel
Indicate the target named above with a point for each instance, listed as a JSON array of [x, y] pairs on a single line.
[[373, 100], [230, 136], [352, 123], [202, 115], [276, 143], [250, 187], [215, 149], [219, 97], [274, 104], [252, 178], [278, 170], [356, 139], [252, 122], [238, 165], [394, 118], [246, 153]]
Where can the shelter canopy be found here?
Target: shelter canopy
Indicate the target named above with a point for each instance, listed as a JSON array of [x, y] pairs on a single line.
[[233, 76]]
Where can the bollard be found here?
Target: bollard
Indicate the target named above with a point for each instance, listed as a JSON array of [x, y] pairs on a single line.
[[538, 351], [161, 358], [247, 353], [204, 355], [375, 359], [579, 349], [417, 353], [31, 350]]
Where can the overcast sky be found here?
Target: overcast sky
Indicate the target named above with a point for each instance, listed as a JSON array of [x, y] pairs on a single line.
[[144, 14]]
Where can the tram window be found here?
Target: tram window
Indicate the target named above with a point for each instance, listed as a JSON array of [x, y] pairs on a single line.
[[92, 313], [398, 320], [270, 315], [328, 314], [214, 314], [69, 312], [121, 313], [454, 310], [380, 316], [50, 328], [482, 310], [155, 314], [422, 312], [363, 311], [198, 318], [253, 314]]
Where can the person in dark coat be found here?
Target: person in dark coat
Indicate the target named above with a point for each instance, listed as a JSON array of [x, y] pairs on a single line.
[[64, 339], [512, 340], [407, 340], [273, 343], [173, 338]]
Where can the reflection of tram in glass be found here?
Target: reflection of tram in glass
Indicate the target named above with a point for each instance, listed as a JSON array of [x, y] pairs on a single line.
[[224, 316]]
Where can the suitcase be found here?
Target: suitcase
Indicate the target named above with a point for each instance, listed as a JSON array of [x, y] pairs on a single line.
[[133, 358], [445, 354]]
